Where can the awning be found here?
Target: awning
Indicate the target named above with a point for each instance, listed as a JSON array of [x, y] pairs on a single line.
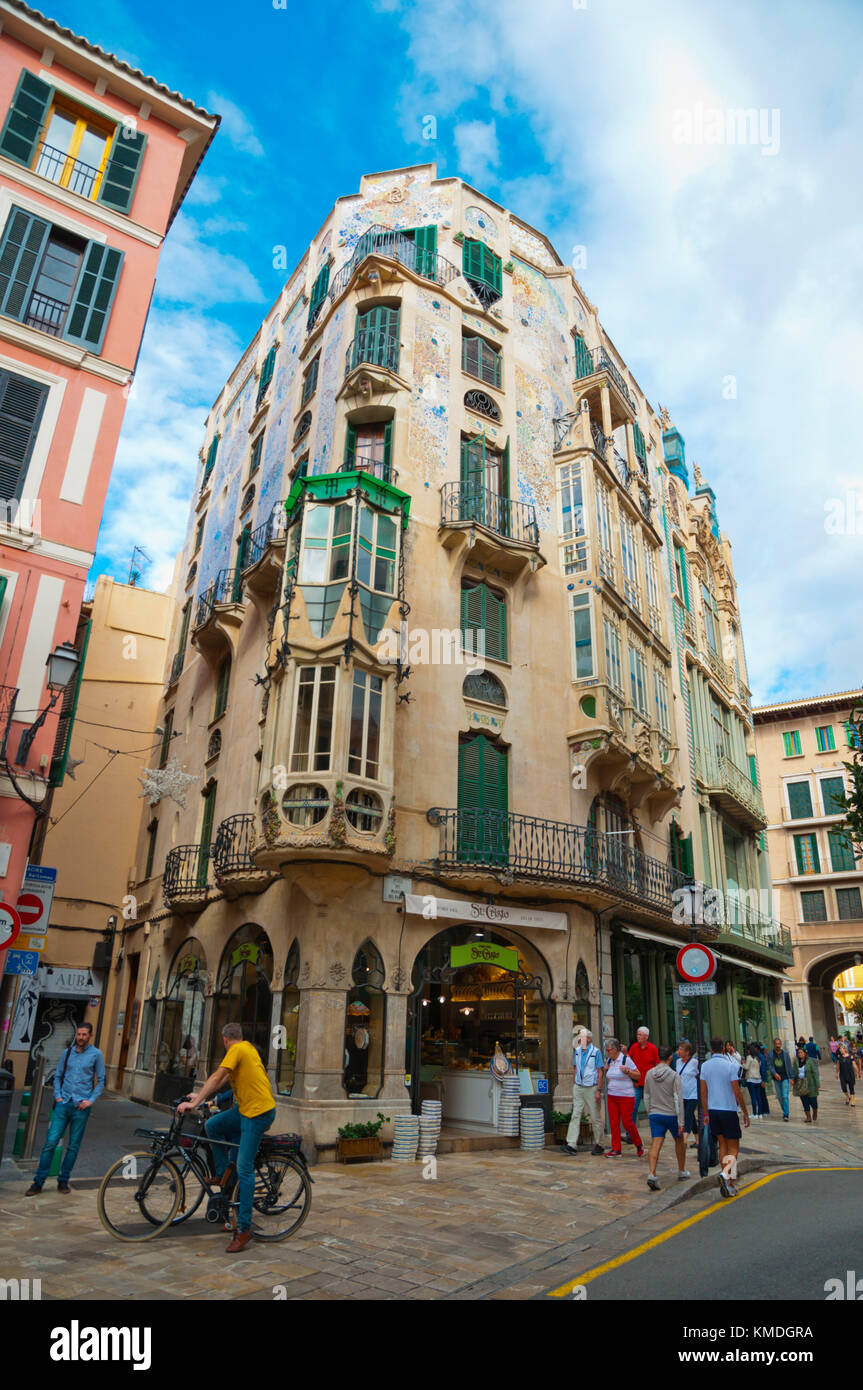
[[721, 955]]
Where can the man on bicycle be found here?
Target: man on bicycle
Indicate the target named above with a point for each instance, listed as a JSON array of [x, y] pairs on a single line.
[[248, 1119]]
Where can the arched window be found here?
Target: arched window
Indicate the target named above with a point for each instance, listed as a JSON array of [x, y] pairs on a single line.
[[482, 685], [179, 1055], [365, 1016], [290, 1022], [243, 991]]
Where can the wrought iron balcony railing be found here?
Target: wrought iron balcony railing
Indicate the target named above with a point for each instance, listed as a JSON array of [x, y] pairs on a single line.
[[721, 669], [186, 876], [232, 850], [46, 314], [468, 502], [52, 163], [227, 587], [383, 241], [365, 463], [740, 785], [689, 625], [601, 362], [599, 440], [8, 696], [176, 667], [373, 348], [268, 533], [622, 468], [526, 847]]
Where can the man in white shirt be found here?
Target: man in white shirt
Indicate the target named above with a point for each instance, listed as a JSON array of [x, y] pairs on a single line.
[[587, 1073], [686, 1066], [721, 1097]]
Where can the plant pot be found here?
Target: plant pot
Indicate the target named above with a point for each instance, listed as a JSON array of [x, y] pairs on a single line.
[[585, 1133], [359, 1148], [560, 1131]]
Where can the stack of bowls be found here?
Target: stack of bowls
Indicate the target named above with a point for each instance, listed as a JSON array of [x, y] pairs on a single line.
[[510, 1104], [406, 1133], [532, 1120], [430, 1121]]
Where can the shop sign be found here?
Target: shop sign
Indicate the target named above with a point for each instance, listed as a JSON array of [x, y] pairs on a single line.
[[705, 987], [491, 914], [484, 953], [248, 951], [395, 887]]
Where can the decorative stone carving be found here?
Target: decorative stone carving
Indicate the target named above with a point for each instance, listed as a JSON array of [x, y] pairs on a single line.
[[306, 972], [665, 418], [337, 972]]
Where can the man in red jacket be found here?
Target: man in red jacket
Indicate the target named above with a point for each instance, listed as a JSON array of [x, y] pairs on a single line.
[[645, 1055]]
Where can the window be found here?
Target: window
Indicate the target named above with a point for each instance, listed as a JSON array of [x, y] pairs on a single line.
[[660, 694], [791, 742], [638, 443], [152, 832], [721, 728], [681, 581], [824, 739], [290, 1022], [199, 533], [365, 1025], [318, 295], [799, 800], [369, 447], [482, 685], [583, 659], [267, 369], [603, 531], [210, 463], [479, 358], [310, 380], [364, 740], [482, 270], [376, 339], [806, 852], [482, 404], [848, 904], [711, 619], [167, 732], [56, 282], [224, 680], [483, 621], [21, 406], [583, 358], [841, 853], [814, 906], [311, 744], [255, 455], [853, 735], [629, 556], [483, 801], [49, 132], [650, 578], [484, 480], [613, 669], [832, 795], [364, 811], [638, 680], [305, 804], [304, 424], [572, 519]]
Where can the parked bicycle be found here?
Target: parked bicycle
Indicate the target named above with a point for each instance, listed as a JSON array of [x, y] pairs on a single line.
[[144, 1194]]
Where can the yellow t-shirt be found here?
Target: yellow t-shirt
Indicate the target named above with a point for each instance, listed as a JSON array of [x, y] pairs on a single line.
[[249, 1081]]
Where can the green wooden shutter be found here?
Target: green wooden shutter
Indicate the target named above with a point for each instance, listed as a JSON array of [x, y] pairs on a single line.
[[482, 788], [504, 470], [121, 172], [24, 240], [638, 441], [318, 293], [184, 626], [25, 118], [472, 613], [351, 445], [425, 240], [66, 722], [242, 560], [495, 625], [471, 259], [4, 580], [206, 836], [222, 688], [753, 770], [686, 859], [267, 371], [94, 294], [211, 456], [168, 728], [799, 800], [583, 359], [21, 406], [388, 443], [493, 270]]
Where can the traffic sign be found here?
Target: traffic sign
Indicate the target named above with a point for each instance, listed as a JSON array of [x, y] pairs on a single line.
[[687, 991], [36, 897], [10, 925], [696, 963], [31, 943], [22, 962]]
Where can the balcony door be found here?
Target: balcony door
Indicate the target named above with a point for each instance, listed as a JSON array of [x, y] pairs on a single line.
[[369, 447], [376, 339], [206, 834], [483, 801], [485, 485]]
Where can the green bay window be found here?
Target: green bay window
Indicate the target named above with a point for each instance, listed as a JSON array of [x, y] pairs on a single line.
[[312, 734], [482, 270], [483, 621], [376, 339]]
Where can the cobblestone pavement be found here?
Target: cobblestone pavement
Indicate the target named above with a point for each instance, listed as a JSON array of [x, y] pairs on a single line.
[[499, 1225]]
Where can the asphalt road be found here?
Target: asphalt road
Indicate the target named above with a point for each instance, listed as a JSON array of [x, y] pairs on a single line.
[[783, 1239]]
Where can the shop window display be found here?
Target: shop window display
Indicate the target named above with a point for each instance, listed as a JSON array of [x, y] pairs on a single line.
[[179, 1050], [365, 1017], [243, 991]]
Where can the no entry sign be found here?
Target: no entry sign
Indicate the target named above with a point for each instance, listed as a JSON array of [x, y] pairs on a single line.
[[36, 897], [10, 925], [696, 963]]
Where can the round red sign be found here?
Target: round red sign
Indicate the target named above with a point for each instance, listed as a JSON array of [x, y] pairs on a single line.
[[696, 963], [10, 925]]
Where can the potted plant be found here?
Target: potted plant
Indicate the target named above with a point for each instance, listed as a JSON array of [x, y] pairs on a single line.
[[560, 1124], [361, 1140]]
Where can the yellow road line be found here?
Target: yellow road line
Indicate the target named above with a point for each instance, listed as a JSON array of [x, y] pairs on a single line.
[[582, 1279]]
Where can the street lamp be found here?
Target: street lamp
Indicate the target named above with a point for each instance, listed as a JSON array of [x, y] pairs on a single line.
[[62, 665]]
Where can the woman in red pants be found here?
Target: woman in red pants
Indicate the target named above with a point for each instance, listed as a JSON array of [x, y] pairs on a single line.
[[621, 1077]]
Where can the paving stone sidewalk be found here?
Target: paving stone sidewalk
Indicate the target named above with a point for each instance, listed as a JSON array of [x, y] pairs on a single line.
[[493, 1225]]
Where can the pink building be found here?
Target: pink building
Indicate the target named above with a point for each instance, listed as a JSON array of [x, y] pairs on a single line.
[[95, 159]]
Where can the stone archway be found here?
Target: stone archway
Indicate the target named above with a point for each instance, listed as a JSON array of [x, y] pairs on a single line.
[[819, 976]]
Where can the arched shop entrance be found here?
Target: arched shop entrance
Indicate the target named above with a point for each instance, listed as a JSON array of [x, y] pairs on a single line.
[[472, 989]]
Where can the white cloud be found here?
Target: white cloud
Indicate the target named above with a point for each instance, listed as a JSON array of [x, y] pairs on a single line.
[[476, 147], [193, 273], [235, 125], [206, 189]]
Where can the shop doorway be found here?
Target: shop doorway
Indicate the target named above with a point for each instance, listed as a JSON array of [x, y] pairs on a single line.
[[472, 990]]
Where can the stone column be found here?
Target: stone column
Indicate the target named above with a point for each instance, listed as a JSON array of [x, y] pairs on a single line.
[[605, 405], [631, 458], [561, 1041], [394, 1088], [321, 1045]]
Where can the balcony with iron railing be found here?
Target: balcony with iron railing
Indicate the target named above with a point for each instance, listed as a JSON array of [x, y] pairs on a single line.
[[60, 167], [270, 532], [227, 587], [529, 849], [372, 348], [46, 314], [186, 879], [176, 668], [746, 925], [235, 870], [393, 246], [722, 669], [497, 529], [596, 362], [375, 467], [689, 626], [733, 790]]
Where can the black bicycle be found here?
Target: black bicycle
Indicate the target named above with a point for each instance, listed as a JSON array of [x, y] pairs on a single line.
[[145, 1194]]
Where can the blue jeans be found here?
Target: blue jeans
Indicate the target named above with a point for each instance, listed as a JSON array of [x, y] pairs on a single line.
[[781, 1088], [65, 1113], [230, 1125], [639, 1094], [755, 1093]]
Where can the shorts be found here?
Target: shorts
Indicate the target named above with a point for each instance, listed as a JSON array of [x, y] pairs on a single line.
[[660, 1125], [724, 1124], [690, 1116]]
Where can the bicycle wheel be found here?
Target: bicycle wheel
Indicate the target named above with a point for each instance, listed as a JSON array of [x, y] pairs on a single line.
[[186, 1208], [283, 1195], [139, 1196]]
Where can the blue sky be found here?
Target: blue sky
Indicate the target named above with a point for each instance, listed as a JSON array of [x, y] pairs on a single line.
[[728, 274]]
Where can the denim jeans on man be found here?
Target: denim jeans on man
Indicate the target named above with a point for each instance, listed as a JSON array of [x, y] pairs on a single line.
[[781, 1088], [65, 1112], [231, 1125]]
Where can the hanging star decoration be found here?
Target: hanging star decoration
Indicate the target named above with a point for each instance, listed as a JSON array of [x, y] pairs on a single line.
[[169, 780], [71, 764]]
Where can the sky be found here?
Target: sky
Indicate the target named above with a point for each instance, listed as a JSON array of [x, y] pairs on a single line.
[[726, 264]]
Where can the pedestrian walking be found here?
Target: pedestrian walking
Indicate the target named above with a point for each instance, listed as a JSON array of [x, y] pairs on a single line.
[[588, 1073], [732, 1054], [79, 1080], [645, 1055], [813, 1050], [858, 1057], [807, 1084], [780, 1070], [846, 1073], [621, 1078], [753, 1075], [686, 1066], [765, 1099], [663, 1101], [834, 1047], [721, 1097]]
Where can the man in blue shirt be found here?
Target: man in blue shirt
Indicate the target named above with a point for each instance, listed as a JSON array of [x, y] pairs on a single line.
[[587, 1074], [79, 1080]]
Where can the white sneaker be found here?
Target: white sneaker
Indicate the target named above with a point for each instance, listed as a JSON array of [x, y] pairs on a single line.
[[653, 1183], [683, 1175]]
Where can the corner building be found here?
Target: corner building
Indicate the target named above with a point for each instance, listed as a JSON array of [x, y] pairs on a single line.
[[396, 853]]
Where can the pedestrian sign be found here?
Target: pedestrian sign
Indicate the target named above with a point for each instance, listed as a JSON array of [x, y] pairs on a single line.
[[22, 962]]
